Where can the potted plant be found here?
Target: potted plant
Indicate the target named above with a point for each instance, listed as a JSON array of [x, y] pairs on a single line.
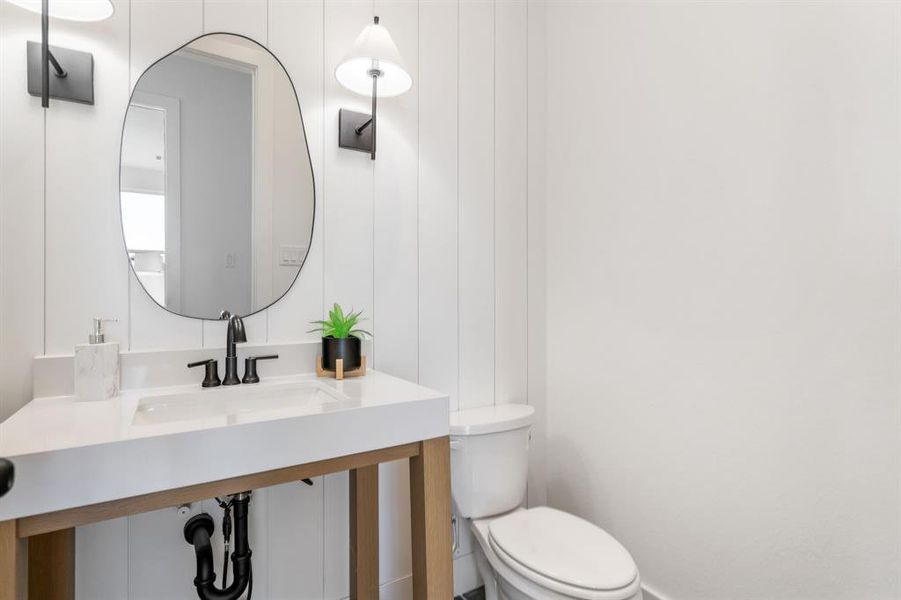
[[341, 338]]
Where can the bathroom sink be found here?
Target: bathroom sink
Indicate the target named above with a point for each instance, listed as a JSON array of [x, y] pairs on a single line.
[[153, 439], [240, 404]]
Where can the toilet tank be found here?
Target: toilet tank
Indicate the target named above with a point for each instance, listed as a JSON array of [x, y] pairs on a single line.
[[490, 458]]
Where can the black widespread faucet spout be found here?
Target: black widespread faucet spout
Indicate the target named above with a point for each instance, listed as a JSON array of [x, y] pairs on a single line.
[[236, 334]]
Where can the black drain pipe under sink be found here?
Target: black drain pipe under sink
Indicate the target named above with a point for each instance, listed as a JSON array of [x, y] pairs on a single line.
[[198, 531]]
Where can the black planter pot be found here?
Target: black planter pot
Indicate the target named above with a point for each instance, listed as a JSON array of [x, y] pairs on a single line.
[[347, 349]]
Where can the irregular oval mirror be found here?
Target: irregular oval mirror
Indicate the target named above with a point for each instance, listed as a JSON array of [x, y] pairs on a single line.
[[216, 185]]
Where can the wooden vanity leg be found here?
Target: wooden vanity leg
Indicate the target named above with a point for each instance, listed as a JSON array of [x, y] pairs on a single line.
[[430, 496], [51, 565], [13, 563], [364, 533]]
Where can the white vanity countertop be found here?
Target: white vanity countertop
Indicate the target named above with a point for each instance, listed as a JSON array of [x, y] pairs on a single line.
[[69, 454]]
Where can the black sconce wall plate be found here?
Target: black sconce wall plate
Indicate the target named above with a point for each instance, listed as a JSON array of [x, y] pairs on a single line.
[[349, 122], [78, 83]]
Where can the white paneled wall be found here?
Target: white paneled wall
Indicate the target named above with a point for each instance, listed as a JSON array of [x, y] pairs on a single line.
[[432, 240]]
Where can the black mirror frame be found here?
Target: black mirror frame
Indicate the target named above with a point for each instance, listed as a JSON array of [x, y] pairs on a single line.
[[303, 129]]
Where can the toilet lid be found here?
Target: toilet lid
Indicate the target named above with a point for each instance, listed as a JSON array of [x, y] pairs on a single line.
[[564, 548]]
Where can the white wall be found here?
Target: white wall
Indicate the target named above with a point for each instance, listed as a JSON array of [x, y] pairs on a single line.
[[429, 239], [724, 332]]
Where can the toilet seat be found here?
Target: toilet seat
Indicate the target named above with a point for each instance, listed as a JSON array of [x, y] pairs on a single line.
[[563, 553]]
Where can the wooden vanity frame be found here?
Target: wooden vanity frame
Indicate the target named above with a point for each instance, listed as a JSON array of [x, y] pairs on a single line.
[[37, 553]]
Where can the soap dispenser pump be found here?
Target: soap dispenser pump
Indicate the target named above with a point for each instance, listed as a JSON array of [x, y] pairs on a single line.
[[97, 336], [97, 365]]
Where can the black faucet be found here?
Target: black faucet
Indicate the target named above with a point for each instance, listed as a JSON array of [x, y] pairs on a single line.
[[235, 335]]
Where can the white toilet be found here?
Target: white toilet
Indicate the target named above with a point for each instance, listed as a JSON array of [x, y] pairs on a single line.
[[527, 554]]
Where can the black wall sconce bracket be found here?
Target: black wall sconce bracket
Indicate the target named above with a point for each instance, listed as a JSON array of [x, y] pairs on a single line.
[[71, 73], [354, 130]]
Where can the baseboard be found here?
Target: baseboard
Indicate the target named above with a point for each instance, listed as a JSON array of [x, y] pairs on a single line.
[[650, 593], [402, 589], [466, 574], [399, 589]]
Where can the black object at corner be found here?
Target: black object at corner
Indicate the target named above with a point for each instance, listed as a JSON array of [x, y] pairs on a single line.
[[198, 531], [348, 349], [7, 476], [250, 368], [211, 377]]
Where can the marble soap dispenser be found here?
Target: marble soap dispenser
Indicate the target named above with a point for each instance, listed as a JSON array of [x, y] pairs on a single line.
[[97, 366]]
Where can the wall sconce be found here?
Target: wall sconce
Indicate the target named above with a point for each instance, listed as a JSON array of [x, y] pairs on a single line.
[[374, 67], [73, 71]]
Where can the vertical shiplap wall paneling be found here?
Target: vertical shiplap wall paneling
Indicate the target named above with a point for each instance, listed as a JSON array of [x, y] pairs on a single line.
[[295, 542], [296, 37], [348, 224], [395, 264], [476, 194], [438, 220], [510, 201], [348, 175], [395, 215], [250, 18], [157, 28], [295, 530], [438, 202], [21, 212], [85, 251], [247, 17], [430, 239], [154, 542], [85, 264], [160, 563], [537, 203], [101, 565]]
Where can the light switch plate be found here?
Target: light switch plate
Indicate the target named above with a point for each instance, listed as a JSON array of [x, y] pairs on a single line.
[[291, 256]]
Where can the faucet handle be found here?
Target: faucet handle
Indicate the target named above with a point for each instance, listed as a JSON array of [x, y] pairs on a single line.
[[211, 377], [250, 367]]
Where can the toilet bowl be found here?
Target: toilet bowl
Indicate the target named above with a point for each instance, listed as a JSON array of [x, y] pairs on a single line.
[[527, 554]]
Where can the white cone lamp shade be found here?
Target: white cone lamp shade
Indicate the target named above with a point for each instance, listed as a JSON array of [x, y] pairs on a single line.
[[374, 51], [71, 10]]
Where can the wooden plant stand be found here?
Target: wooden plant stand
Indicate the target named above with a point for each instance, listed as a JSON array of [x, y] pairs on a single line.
[[339, 372]]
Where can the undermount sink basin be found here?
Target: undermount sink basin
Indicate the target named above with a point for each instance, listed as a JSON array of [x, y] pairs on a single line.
[[242, 403]]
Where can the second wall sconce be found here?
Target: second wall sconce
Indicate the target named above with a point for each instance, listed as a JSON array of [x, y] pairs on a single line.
[[73, 70], [373, 67]]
